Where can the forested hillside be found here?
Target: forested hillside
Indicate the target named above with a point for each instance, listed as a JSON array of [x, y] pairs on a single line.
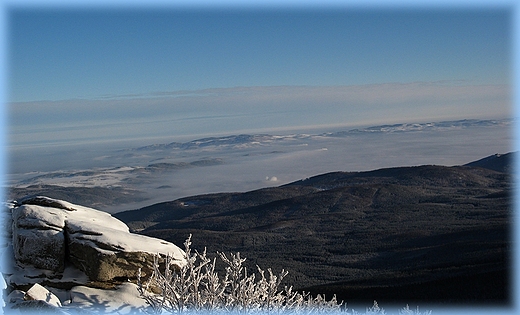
[[426, 233]]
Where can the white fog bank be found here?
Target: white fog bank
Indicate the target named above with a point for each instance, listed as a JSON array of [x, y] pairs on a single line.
[[232, 163]]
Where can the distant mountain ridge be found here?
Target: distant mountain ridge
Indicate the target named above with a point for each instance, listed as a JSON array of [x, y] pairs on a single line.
[[406, 127], [241, 141], [258, 139], [424, 233]]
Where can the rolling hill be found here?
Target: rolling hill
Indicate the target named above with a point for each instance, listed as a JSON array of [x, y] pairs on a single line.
[[426, 234]]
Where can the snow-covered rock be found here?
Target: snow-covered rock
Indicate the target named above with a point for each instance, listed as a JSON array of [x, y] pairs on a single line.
[[124, 299], [36, 300], [47, 233], [3, 286], [39, 237], [114, 253], [39, 293]]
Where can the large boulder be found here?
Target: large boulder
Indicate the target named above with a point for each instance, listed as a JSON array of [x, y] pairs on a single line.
[[48, 233], [115, 253], [38, 237]]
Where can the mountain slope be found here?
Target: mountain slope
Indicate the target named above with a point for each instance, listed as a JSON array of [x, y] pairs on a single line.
[[426, 233], [496, 162]]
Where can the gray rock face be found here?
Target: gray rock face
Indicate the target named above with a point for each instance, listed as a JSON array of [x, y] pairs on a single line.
[[38, 237], [102, 265], [48, 233], [114, 253]]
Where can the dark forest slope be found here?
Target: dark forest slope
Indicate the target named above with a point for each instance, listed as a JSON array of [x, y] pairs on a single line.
[[426, 233]]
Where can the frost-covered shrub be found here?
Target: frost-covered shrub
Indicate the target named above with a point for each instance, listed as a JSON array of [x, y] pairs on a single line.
[[197, 287], [376, 310], [407, 311]]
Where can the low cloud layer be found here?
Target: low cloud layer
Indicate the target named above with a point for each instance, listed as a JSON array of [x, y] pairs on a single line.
[[223, 164], [248, 109]]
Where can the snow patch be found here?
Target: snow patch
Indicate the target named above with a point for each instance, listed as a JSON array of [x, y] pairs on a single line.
[[123, 300], [39, 293], [271, 179]]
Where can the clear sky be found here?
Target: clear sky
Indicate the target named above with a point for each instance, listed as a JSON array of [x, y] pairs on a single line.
[[224, 68], [59, 54]]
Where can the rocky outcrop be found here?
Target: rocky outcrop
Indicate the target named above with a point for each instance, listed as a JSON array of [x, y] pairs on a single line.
[[39, 237], [49, 234], [114, 253]]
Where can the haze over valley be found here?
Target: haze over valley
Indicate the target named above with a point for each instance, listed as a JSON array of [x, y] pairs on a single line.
[[120, 178]]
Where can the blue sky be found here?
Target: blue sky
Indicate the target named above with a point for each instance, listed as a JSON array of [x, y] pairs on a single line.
[[67, 54], [91, 74]]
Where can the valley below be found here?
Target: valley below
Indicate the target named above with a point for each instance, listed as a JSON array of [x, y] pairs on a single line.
[[424, 234]]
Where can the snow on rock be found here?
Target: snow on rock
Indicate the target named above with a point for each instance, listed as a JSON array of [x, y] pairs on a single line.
[[114, 253], [46, 202], [38, 237], [15, 297], [122, 300], [35, 301], [71, 211], [3, 286], [39, 293], [49, 232]]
